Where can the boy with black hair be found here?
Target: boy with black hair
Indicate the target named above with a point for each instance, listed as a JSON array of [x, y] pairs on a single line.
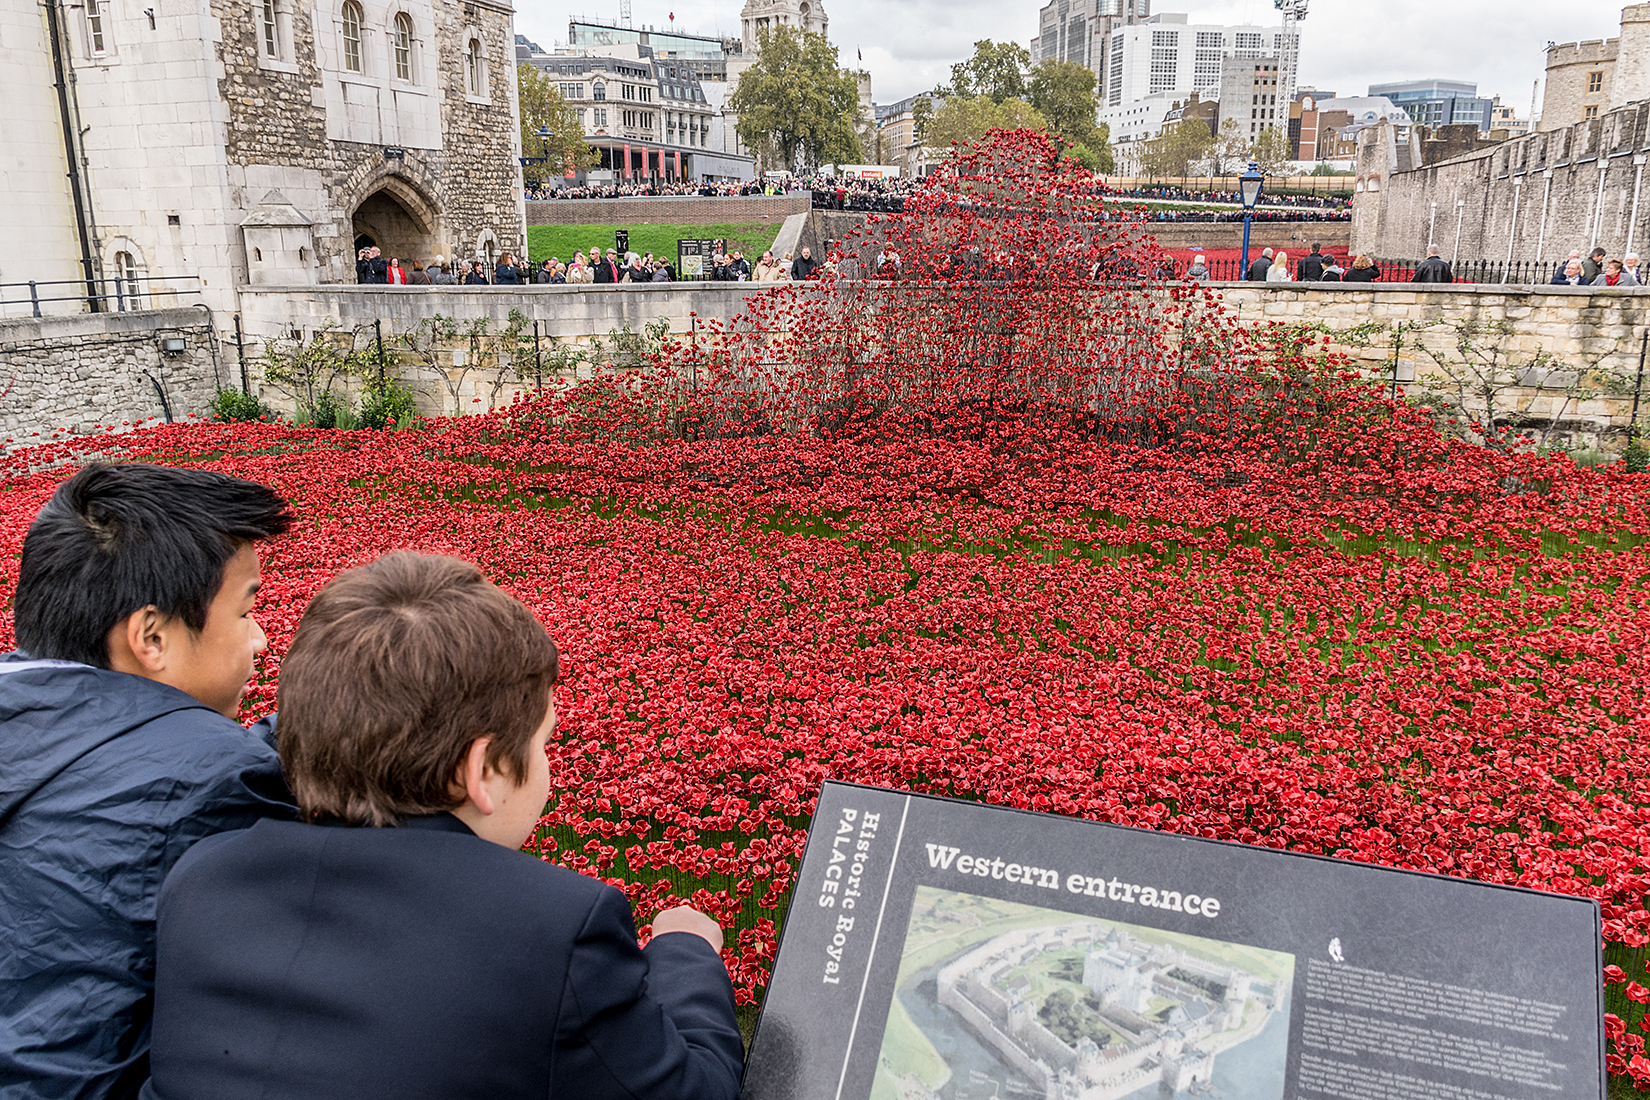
[[118, 750], [396, 942]]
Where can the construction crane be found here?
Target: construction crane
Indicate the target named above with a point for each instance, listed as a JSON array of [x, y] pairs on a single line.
[[1289, 61]]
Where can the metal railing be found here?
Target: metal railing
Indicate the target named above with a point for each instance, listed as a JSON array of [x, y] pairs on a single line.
[[1518, 273], [107, 295]]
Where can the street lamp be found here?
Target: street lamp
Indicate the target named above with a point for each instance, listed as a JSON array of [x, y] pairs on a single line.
[[1249, 188]]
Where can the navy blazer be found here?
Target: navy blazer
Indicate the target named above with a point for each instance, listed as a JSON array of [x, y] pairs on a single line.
[[298, 962]]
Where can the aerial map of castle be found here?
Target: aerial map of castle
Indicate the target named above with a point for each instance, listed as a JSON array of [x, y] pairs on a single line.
[[1002, 1000]]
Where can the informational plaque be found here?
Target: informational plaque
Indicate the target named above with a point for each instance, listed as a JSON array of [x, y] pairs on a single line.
[[694, 257], [944, 949]]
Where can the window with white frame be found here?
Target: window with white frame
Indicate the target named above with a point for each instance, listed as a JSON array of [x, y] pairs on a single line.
[[403, 47], [96, 44], [598, 91], [269, 30], [126, 280], [352, 36]]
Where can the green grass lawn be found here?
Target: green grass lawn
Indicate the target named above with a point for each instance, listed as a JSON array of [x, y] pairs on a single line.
[[561, 241]]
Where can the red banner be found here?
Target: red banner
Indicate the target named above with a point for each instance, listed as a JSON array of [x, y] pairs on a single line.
[[570, 172], [627, 161], [678, 156]]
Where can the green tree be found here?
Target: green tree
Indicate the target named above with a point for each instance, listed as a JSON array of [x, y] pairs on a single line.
[[1230, 154], [549, 129], [1063, 92], [1176, 149], [995, 71], [310, 370], [1106, 159], [960, 120], [1270, 151], [922, 111], [795, 104]]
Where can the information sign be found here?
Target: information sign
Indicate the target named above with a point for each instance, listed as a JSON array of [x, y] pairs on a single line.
[[944, 949], [693, 257]]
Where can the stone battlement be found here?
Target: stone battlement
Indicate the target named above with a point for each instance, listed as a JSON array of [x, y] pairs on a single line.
[[1571, 53]]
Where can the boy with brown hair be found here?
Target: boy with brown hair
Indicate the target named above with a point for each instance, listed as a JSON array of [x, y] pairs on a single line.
[[396, 943]]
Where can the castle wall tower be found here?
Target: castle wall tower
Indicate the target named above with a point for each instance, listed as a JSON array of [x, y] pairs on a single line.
[[1632, 76]]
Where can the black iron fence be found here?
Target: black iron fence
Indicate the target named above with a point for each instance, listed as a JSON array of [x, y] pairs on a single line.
[[118, 294], [1516, 273]]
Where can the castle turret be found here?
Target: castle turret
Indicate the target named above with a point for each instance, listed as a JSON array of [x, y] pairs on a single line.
[[1632, 76]]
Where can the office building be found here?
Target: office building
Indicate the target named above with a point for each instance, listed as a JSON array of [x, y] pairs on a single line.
[[1166, 53], [648, 116], [1435, 103], [706, 58]]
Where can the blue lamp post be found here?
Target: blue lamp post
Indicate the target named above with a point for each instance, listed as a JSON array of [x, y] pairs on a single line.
[[1249, 188]]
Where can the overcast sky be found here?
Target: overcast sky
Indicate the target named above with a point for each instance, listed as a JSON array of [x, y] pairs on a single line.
[[1346, 45]]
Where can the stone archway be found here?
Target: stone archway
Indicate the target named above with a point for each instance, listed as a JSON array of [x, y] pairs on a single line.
[[400, 220]]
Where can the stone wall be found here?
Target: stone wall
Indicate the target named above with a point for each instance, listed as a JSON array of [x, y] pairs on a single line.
[[71, 373], [1563, 327], [1535, 197], [582, 317], [668, 210], [1400, 331]]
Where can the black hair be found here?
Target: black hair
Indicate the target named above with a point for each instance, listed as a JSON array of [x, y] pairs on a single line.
[[114, 539]]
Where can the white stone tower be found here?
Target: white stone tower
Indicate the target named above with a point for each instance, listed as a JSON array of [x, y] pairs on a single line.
[[1632, 77], [807, 15]]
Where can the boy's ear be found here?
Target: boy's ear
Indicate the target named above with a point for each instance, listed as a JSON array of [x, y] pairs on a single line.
[[140, 643], [472, 776]]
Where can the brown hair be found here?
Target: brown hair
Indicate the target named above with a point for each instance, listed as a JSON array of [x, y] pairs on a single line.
[[396, 668], [1363, 263]]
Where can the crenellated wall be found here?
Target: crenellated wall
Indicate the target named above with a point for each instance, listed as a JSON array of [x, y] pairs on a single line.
[[1533, 198]]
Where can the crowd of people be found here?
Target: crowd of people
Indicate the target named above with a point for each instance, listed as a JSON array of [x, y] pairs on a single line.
[[686, 188], [1213, 216], [881, 196], [1316, 266], [593, 267], [1181, 194], [1597, 269], [510, 270], [1593, 269]]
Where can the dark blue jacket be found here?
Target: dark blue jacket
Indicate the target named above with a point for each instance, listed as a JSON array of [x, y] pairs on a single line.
[[105, 780], [302, 962]]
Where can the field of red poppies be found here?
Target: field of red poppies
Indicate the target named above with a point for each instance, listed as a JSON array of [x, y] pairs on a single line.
[[1102, 557]]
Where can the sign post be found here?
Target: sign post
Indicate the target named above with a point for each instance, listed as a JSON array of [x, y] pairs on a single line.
[[938, 948]]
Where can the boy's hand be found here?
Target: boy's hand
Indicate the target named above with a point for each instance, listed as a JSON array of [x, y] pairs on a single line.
[[685, 918]]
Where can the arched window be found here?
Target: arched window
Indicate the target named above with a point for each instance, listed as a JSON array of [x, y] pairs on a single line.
[[598, 90], [403, 46], [472, 66], [352, 36]]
